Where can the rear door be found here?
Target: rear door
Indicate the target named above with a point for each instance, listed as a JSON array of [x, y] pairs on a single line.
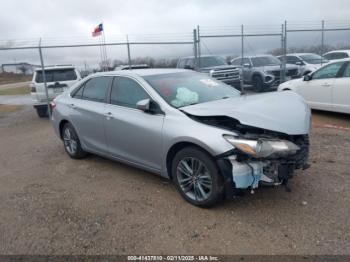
[[88, 113], [341, 91], [318, 91], [133, 135]]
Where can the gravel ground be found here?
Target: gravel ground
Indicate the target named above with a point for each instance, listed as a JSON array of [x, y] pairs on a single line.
[[51, 204]]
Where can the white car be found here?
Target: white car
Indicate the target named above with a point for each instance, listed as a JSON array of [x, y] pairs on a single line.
[[307, 62], [337, 55], [58, 79], [328, 88]]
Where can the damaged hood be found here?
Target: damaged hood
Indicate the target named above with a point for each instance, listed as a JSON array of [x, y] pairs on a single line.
[[284, 112]]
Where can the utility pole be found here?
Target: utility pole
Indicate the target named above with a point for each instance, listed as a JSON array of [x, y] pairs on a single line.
[[44, 79], [284, 52]]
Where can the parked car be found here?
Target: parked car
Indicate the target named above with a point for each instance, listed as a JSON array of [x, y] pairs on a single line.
[[263, 71], [214, 66], [307, 62], [58, 78], [188, 127], [337, 55], [328, 88], [127, 67]]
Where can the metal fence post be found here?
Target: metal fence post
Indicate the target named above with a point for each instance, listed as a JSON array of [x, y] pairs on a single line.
[[322, 42], [44, 79], [242, 56], [199, 47], [282, 50], [195, 49], [128, 48]]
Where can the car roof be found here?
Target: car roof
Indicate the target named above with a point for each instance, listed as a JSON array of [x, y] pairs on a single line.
[[298, 54], [51, 67], [143, 72], [185, 57], [336, 51]]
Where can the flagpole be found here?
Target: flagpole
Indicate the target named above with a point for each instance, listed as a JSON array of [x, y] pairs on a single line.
[[101, 55], [104, 42]]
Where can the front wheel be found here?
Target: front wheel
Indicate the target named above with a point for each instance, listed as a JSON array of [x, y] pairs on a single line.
[[197, 178], [258, 84], [71, 142]]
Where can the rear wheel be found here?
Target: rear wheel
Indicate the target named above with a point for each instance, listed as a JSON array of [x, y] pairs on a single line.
[[71, 142], [258, 84], [197, 178], [42, 111]]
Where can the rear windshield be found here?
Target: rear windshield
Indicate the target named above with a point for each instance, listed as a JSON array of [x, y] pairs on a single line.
[[56, 75]]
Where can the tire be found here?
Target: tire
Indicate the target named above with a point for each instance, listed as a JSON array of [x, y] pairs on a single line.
[[42, 111], [71, 142], [258, 84], [204, 189]]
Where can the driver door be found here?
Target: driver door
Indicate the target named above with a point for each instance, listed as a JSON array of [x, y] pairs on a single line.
[[133, 135], [318, 91]]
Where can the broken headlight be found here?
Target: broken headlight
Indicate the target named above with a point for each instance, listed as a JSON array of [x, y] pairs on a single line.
[[263, 147]]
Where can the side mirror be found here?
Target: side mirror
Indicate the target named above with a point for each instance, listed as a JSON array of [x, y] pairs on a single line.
[[149, 106], [246, 65], [307, 77], [144, 105], [229, 63], [189, 67]]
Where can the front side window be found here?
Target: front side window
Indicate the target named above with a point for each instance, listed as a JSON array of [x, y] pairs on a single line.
[[127, 92], [96, 88], [237, 61], [56, 75], [313, 59], [183, 89], [329, 71]]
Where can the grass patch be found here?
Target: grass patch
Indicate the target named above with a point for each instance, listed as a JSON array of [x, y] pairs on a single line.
[[23, 90], [6, 78], [7, 109]]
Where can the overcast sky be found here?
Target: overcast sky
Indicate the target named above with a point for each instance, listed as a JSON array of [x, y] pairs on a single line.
[[68, 21]]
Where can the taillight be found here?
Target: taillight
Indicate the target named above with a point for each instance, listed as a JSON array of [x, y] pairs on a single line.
[[32, 88], [52, 106]]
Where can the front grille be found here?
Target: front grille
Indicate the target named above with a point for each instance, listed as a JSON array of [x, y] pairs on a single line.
[[226, 74], [276, 73]]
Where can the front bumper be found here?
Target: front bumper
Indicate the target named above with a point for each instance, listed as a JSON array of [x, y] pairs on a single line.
[[250, 174]]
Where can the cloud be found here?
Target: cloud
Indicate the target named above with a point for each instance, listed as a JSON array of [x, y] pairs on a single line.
[[67, 22]]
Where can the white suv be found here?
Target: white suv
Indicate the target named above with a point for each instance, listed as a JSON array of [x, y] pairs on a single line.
[[59, 79]]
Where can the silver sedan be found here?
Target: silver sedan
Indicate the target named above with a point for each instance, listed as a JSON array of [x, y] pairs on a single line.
[[206, 137]]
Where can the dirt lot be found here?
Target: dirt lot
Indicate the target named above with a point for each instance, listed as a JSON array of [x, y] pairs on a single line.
[[13, 78], [51, 204]]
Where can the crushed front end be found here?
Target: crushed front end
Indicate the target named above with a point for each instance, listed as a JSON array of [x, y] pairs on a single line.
[[243, 169]]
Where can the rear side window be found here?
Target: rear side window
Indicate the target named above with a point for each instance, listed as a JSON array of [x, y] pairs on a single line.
[[94, 89], [56, 75], [336, 55], [347, 71], [127, 92]]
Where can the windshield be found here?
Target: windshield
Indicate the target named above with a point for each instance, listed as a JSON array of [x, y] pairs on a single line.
[[188, 88], [265, 61], [210, 61], [56, 75], [313, 59]]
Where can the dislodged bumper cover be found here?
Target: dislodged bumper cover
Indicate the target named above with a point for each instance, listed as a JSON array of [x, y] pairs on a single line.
[[285, 112]]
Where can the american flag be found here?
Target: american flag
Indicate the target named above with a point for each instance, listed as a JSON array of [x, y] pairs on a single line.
[[98, 30]]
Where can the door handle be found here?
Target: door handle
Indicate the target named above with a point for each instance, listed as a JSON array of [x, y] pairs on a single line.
[[326, 84], [73, 106]]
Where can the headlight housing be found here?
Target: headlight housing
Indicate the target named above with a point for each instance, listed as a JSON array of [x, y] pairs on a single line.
[[263, 147]]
